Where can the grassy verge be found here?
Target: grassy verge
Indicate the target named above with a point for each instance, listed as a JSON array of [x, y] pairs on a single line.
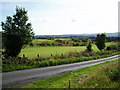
[[104, 75], [16, 64]]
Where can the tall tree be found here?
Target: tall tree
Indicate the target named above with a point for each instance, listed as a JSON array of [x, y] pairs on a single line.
[[100, 41], [16, 32]]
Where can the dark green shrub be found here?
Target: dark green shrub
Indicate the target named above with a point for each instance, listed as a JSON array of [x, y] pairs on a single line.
[[113, 47], [89, 47], [115, 75], [31, 44], [100, 41]]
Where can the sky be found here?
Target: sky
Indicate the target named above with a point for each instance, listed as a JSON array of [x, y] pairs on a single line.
[[57, 17]]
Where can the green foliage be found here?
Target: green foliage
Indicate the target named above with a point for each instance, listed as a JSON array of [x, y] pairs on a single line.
[[79, 39], [55, 60], [61, 42], [114, 74], [89, 46], [115, 46], [100, 41], [16, 32], [31, 44]]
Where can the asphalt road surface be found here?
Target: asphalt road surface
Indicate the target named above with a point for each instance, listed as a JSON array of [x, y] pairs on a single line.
[[20, 78]]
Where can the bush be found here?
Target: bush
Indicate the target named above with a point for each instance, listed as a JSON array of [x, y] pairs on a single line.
[[31, 44], [89, 47], [113, 47], [115, 75]]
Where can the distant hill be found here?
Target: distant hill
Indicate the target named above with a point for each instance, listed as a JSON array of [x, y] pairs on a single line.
[[77, 35], [95, 34], [113, 34]]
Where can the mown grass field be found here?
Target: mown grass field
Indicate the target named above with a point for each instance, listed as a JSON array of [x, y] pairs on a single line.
[[104, 75], [44, 51]]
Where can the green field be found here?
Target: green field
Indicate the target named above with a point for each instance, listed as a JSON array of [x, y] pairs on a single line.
[[32, 52], [104, 75], [45, 51], [36, 41]]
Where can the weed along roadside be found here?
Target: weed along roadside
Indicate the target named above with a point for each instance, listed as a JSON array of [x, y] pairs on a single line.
[[13, 64], [104, 75]]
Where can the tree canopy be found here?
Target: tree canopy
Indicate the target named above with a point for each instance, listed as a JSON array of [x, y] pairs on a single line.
[[100, 41], [16, 32]]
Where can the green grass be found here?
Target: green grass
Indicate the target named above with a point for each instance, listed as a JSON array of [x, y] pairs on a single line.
[[36, 41], [63, 39], [16, 67], [32, 52], [46, 51], [97, 76]]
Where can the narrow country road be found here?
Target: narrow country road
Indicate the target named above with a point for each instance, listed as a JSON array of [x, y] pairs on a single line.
[[17, 79]]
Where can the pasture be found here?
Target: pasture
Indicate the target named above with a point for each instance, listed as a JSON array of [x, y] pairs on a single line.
[[45, 51]]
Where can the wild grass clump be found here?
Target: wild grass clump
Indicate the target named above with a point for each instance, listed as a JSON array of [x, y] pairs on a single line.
[[113, 74]]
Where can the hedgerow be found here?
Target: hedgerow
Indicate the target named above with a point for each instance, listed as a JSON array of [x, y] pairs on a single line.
[[18, 63]]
